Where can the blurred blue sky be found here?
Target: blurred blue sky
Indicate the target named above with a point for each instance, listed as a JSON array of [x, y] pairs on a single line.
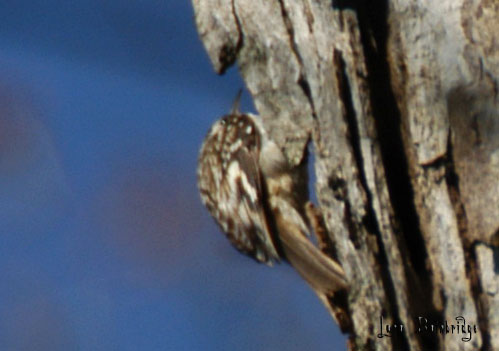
[[104, 244]]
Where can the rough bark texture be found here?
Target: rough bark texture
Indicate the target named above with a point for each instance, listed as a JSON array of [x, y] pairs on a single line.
[[400, 100]]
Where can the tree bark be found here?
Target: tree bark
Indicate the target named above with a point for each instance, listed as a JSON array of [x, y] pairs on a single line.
[[400, 100]]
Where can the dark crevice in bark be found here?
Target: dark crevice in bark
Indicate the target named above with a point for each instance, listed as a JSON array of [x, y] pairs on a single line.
[[398, 341], [228, 53], [291, 32], [305, 87], [353, 229], [351, 122], [437, 163], [482, 308], [354, 137], [495, 250], [452, 181], [341, 310], [302, 80], [373, 19], [340, 193]]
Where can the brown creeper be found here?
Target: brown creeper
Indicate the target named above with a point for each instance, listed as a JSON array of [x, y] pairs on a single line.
[[258, 200]]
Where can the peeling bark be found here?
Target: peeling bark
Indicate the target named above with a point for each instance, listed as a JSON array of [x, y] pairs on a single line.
[[400, 99]]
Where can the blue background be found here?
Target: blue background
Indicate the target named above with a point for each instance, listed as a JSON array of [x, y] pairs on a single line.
[[104, 244]]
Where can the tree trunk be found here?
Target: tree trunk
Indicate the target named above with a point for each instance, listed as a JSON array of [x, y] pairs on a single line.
[[400, 100]]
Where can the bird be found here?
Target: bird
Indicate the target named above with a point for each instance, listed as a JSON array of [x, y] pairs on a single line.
[[259, 200]]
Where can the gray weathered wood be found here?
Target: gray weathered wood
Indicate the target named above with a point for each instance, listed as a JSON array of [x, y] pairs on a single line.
[[400, 100]]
